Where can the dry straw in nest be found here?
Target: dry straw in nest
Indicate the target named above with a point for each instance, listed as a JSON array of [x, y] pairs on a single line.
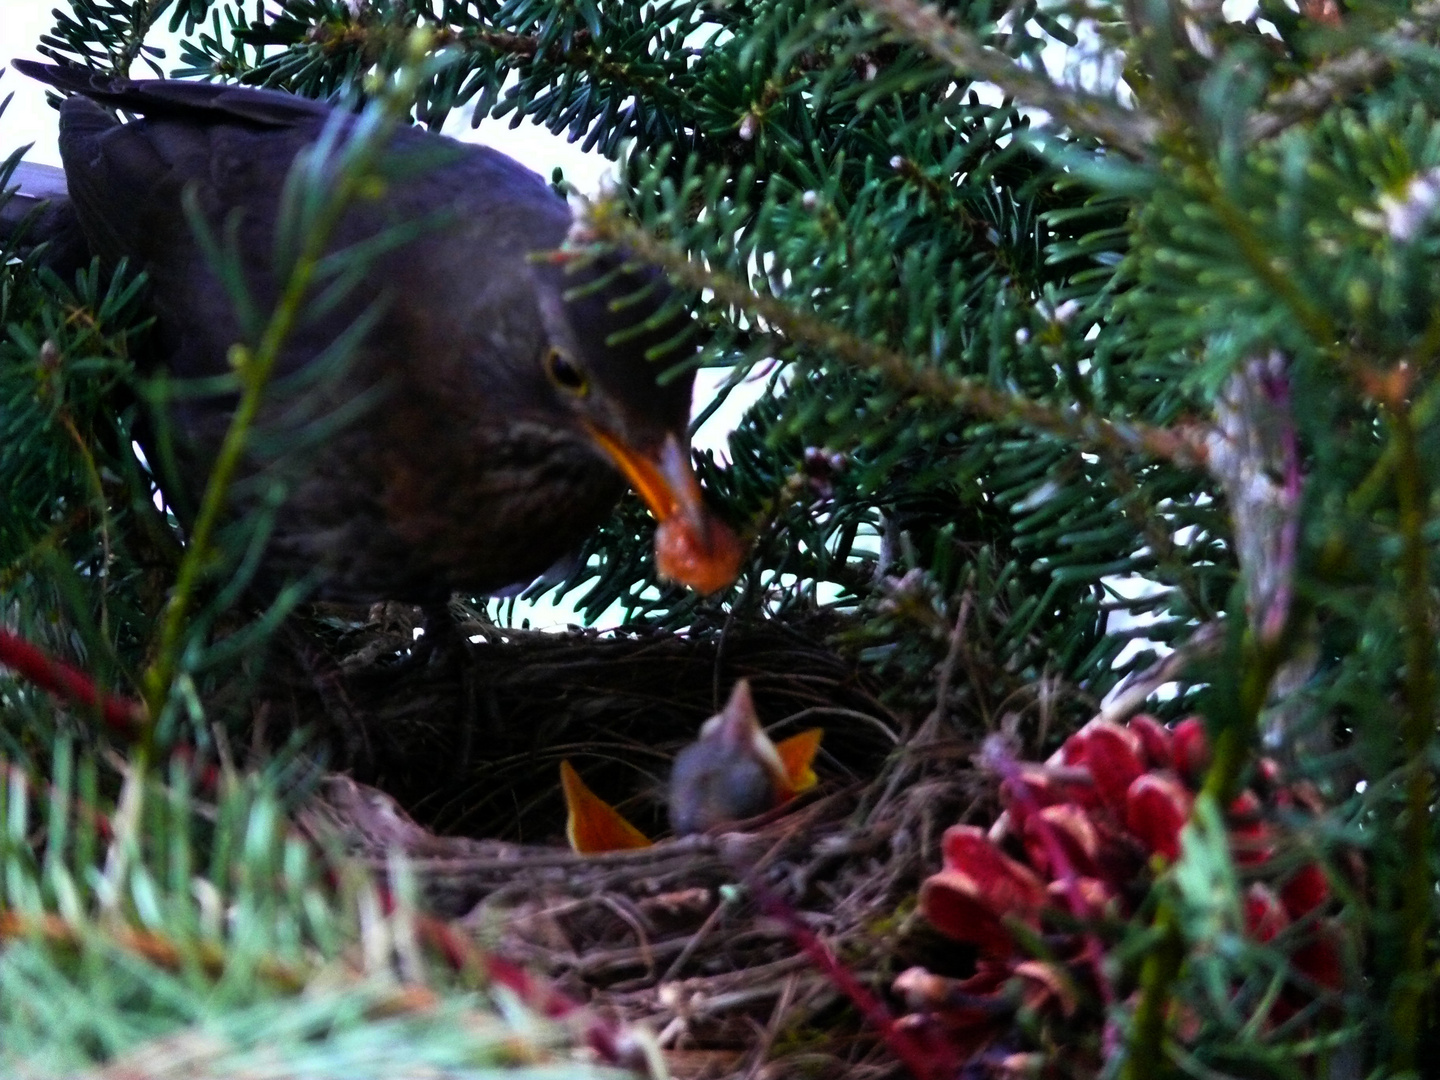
[[675, 935]]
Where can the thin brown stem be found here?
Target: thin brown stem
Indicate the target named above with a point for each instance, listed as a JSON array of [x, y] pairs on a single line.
[[1418, 628]]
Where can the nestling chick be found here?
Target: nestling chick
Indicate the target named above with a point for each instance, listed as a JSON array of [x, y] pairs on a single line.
[[733, 771]]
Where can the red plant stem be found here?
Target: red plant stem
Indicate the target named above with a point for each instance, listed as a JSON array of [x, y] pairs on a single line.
[[609, 1042], [122, 715], [925, 1062]]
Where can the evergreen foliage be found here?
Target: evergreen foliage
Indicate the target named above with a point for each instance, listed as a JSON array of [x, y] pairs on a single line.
[[999, 315]]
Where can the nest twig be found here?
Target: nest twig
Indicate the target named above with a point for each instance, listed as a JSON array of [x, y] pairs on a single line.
[[670, 935]]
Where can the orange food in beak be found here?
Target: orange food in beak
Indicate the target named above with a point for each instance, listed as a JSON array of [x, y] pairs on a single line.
[[692, 546]]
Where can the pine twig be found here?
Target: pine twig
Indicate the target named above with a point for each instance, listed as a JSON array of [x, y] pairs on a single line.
[[143, 17], [1084, 429], [151, 946], [1132, 132], [1340, 77], [1145, 1057]]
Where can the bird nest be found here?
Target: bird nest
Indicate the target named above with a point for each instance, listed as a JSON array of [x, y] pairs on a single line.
[[455, 763]]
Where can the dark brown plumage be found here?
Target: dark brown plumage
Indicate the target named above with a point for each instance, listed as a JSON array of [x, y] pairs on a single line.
[[487, 418]]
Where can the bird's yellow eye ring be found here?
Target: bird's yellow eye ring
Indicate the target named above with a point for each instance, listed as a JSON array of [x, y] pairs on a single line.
[[566, 374]]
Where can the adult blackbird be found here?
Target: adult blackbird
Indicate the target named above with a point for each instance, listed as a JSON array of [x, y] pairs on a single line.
[[478, 429]]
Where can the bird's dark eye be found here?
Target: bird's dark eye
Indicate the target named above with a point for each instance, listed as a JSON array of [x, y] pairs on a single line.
[[565, 373]]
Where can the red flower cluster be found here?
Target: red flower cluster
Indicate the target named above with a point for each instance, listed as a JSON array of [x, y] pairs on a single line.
[[1079, 842]]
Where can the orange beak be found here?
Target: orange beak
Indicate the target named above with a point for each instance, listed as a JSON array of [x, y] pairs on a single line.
[[692, 546]]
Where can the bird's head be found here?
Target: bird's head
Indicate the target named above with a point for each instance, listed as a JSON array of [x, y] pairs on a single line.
[[608, 356], [730, 773]]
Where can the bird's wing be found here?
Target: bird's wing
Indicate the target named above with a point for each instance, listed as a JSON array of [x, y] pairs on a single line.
[[230, 149], [233, 145]]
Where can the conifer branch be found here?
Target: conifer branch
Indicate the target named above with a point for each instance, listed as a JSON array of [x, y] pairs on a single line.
[[142, 18], [1084, 429], [1127, 130], [336, 35], [151, 946], [581, 54], [1145, 1057], [1311, 316], [1336, 79]]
